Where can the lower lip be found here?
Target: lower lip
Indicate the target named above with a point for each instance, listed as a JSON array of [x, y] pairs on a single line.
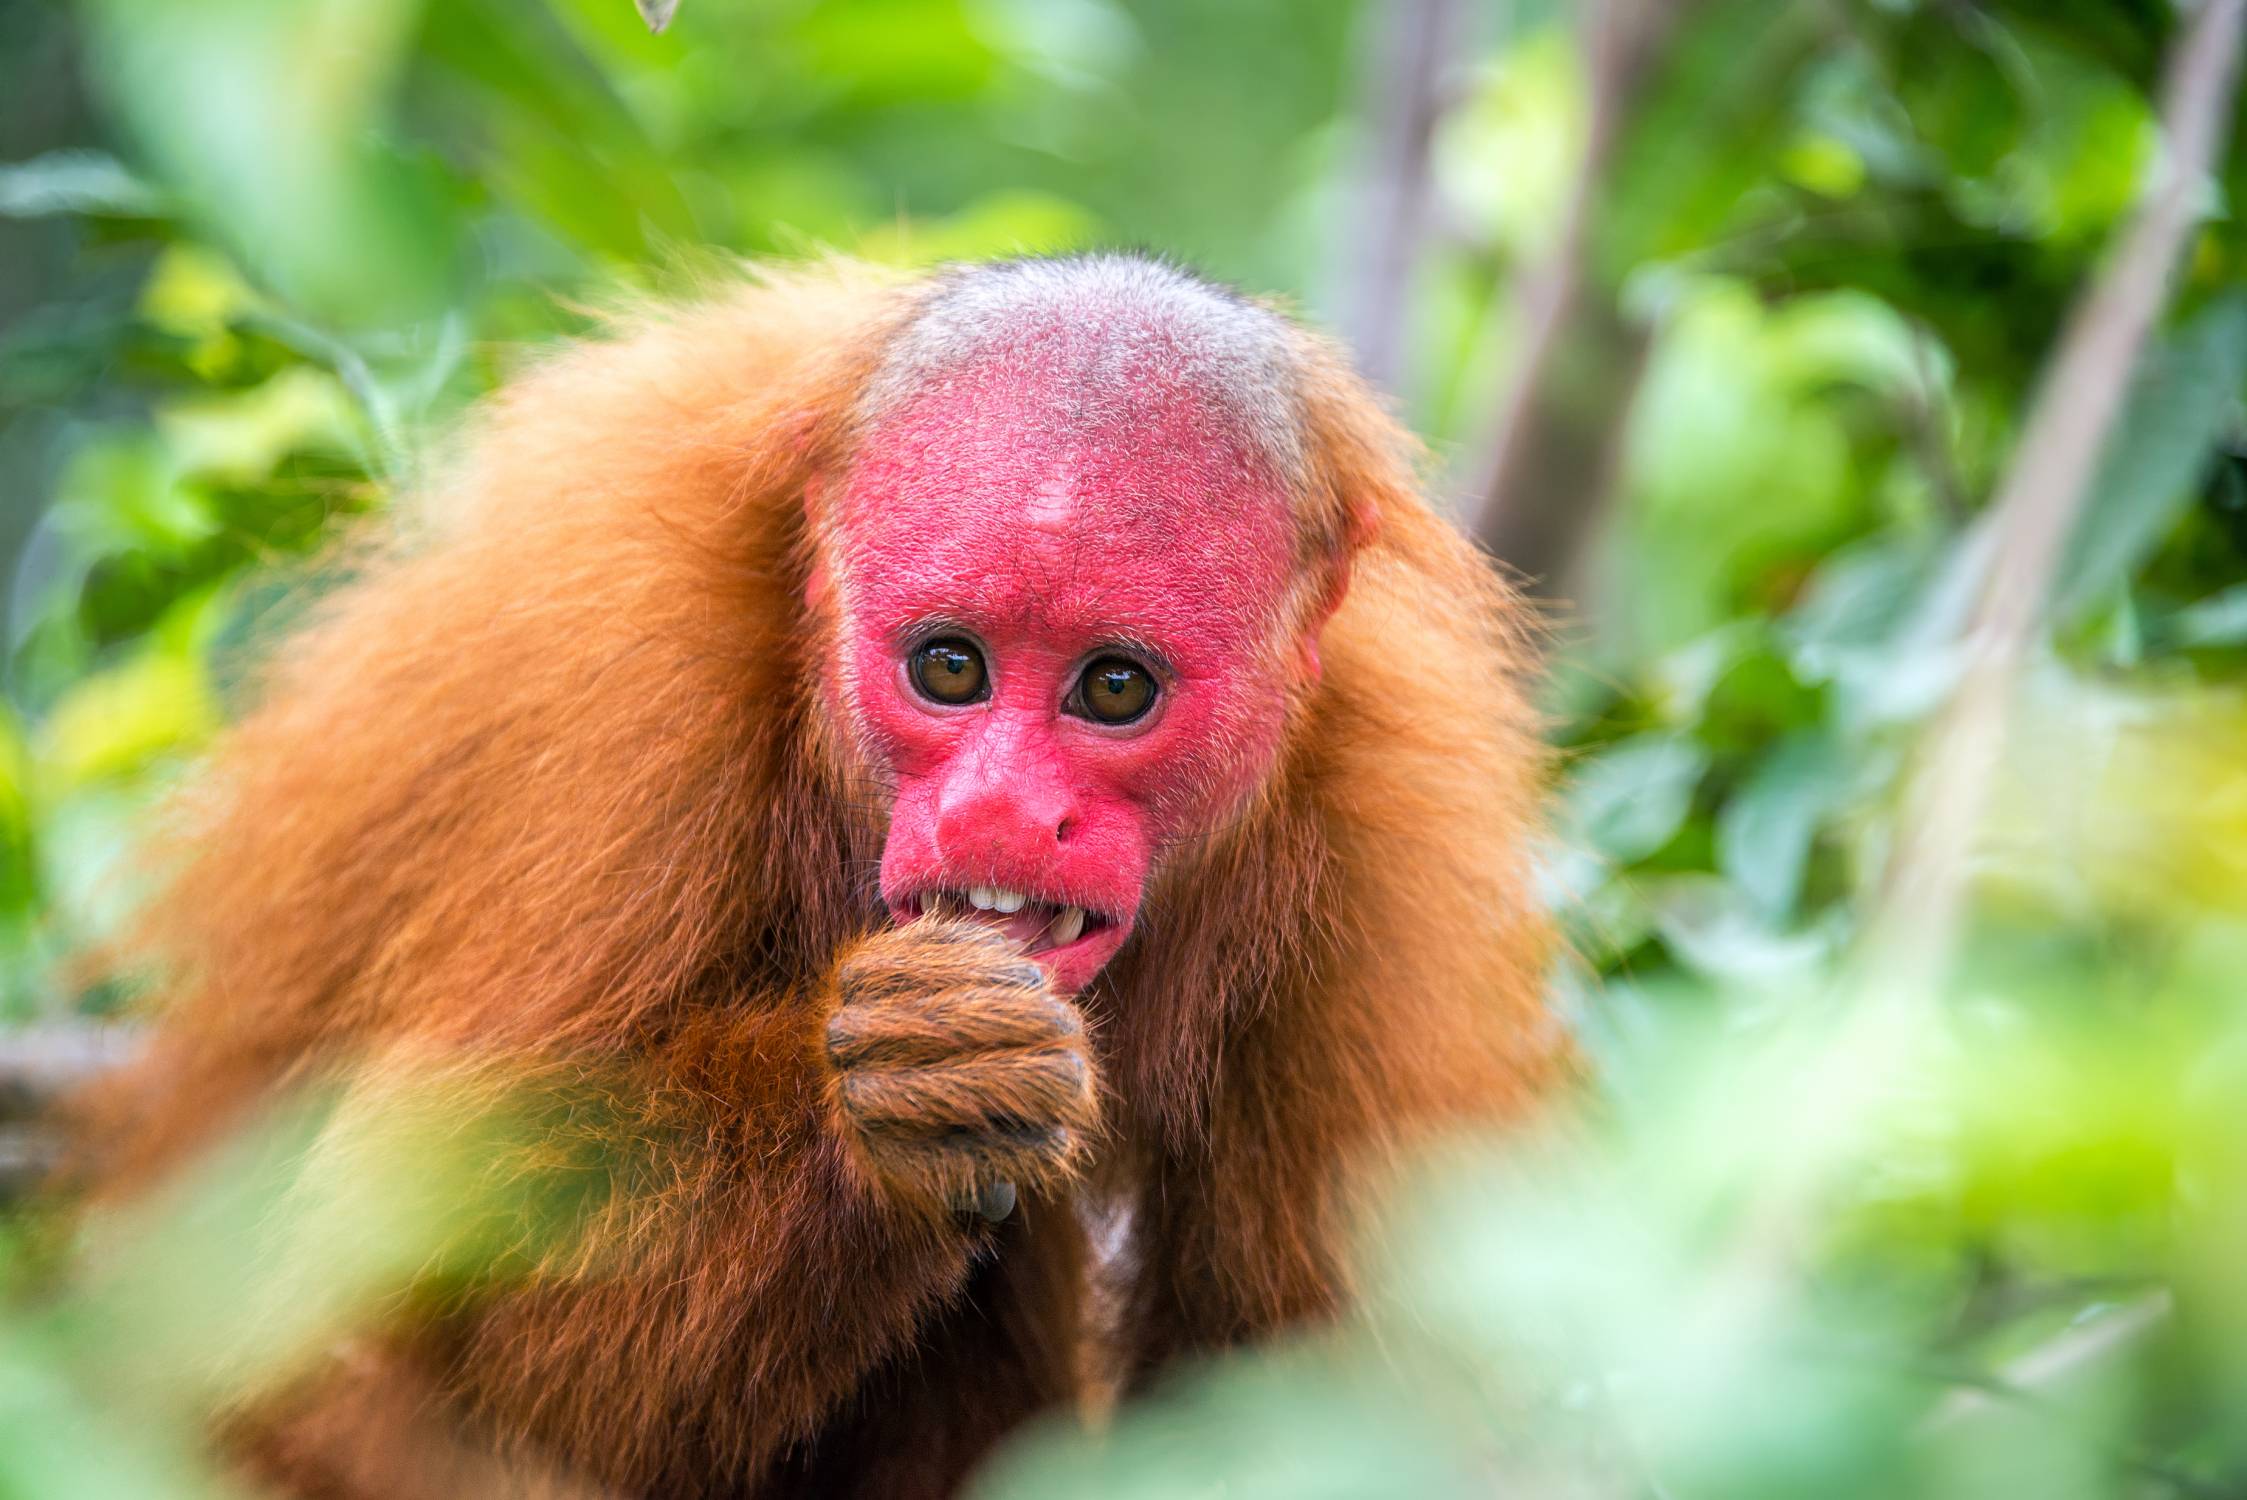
[[1073, 965]]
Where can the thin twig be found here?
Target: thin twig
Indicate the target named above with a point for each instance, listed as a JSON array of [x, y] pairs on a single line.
[[1537, 527], [2044, 1373], [1913, 929], [1914, 926], [1406, 100], [2050, 1382]]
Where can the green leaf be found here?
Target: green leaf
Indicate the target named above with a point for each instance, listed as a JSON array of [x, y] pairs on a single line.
[[239, 436], [2185, 394], [1880, 621], [2218, 620], [265, 116], [1712, 928], [112, 725], [1764, 834], [123, 492], [1703, 128], [1629, 801], [558, 113], [92, 183]]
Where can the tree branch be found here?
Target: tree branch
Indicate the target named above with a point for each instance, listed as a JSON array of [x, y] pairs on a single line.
[[1914, 926], [1406, 99], [1546, 466]]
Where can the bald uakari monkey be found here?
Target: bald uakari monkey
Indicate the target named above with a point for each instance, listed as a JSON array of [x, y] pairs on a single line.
[[954, 755]]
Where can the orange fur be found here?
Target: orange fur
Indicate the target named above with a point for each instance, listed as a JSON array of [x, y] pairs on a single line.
[[956, 1065], [551, 781]]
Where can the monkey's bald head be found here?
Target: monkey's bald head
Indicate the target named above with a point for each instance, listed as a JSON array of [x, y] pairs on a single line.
[[1068, 569], [1105, 338]]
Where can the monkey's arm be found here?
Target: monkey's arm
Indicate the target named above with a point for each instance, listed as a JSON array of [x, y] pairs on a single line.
[[787, 1173]]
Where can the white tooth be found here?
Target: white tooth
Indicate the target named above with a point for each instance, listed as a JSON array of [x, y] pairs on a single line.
[[982, 898], [1009, 902], [1067, 927]]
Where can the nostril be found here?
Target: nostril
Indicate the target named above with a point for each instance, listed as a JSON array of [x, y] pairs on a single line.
[[1063, 829]]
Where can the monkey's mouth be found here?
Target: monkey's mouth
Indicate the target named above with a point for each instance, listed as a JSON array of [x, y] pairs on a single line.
[[1039, 926]]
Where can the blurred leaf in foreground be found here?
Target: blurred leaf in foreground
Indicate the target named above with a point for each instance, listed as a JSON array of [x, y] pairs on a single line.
[[1853, 1255], [264, 115], [408, 1178]]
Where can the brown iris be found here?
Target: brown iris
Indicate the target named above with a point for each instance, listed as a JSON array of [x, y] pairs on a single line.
[[949, 671], [1116, 690]]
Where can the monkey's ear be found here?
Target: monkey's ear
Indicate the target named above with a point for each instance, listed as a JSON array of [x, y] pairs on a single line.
[[1334, 586], [1363, 526]]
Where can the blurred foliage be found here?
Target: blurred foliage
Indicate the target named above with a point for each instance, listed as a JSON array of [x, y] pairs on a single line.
[[408, 1183], [261, 251]]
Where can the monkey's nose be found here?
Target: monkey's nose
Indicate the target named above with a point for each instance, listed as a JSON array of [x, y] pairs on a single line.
[[996, 818]]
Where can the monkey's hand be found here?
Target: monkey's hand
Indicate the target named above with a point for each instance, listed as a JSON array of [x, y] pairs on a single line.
[[959, 1070]]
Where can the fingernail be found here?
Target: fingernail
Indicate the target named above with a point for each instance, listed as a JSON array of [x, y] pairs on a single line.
[[996, 1202]]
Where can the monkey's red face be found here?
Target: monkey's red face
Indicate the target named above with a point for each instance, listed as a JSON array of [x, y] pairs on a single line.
[[1062, 646]]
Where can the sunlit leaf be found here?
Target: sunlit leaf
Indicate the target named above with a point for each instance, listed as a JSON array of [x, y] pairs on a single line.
[[2135, 800], [1825, 165], [194, 292], [113, 724], [1527, 113], [889, 50], [240, 436]]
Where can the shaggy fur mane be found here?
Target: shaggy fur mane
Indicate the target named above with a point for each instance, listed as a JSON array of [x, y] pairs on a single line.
[[552, 777]]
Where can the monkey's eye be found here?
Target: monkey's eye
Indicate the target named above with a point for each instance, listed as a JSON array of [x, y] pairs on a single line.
[[1116, 690], [950, 671]]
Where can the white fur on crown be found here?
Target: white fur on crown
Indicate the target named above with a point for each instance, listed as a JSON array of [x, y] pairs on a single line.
[[1110, 315]]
